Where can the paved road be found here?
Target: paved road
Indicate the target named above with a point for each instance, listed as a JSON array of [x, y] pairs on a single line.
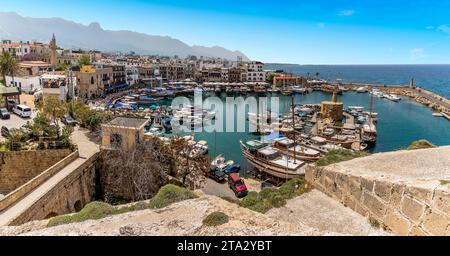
[[86, 148]]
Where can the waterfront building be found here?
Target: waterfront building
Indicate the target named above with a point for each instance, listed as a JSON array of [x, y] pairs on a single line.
[[280, 81], [255, 72], [132, 75], [17, 50], [94, 81]]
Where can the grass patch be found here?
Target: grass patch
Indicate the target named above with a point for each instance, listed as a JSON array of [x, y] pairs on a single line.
[[420, 144], [92, 211], [445, 182], [340, 155], [216, 219], [98, 210], [270, 198], [170, 194]]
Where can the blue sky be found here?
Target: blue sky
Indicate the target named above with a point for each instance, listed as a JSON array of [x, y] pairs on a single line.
[[284, 31]]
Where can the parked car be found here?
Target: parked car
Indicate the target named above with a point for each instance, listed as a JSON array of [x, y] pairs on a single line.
[[5, 131], [4, 113], [22, 111], [68, 120], [217, 175], [237, 185]]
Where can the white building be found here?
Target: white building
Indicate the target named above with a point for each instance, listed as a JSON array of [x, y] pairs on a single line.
[[255, 72], [132, 74], [15, 49], [25, 83]]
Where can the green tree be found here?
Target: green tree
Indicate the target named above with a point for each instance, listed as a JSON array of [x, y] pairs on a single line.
[[84, 60], [8, 65], [54, 110]]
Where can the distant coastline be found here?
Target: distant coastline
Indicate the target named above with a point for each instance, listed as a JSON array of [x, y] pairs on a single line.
[[433, 77]]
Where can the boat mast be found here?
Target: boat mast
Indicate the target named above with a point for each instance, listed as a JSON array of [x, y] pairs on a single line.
[[293, 129]]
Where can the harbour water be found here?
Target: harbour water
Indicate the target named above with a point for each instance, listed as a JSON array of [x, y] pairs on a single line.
[[435, 78], [399, 123]]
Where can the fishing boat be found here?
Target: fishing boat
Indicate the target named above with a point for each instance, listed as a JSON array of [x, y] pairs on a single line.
[[260, 89], [243, 90], [392, 97], [369, 133], [303, 153], [286, 91], [363, 89], [299, 89], [271, 161], [199, 149], [447, 116]]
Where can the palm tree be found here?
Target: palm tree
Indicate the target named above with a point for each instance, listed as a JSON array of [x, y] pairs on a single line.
[[8, 66], [4, 65]]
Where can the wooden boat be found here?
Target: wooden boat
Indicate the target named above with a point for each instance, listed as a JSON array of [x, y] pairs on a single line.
[[286, 91], [260, 89], [289, 147], [272, 161]]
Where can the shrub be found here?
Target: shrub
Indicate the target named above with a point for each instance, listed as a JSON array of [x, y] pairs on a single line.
[[270, 198], [170, 194], [277, 201], [339, 155], [92, 211], [249, 200], [216, 219], [421, 144]]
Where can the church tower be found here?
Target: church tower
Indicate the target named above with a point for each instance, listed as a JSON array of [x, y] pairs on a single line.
[[53, 59]]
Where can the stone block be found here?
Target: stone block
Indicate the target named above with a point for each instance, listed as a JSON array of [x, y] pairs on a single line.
[[349, 202], [310, 174], [355, 189], [367, 184], [396, 195], [417, 231], [374, 205], [442, 201], [412, 208], [420, 194], [437, 224], [397, 223], [383, 190]]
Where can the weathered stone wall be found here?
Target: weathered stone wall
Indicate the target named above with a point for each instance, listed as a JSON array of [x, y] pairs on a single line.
[[396, 206], [69, 196], [17, 168], [26, 188]]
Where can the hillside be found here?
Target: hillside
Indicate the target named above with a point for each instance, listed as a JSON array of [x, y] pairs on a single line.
[[70, 34]]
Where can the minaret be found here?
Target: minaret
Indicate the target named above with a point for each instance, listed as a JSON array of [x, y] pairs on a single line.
[[53, 59]]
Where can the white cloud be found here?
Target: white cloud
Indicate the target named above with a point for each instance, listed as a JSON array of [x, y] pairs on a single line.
[[321, 25], [417, 53], [430, 27], [444, 28], [346, 13]]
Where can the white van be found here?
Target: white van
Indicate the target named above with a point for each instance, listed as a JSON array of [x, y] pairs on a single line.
[[22, 111]]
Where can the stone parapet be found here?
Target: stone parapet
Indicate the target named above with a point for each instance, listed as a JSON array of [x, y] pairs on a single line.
[[399, 206]]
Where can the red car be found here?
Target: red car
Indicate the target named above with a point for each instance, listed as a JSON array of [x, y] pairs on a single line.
[[237, 185]]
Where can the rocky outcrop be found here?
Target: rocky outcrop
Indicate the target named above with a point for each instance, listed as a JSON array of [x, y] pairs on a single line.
[[186, 218]]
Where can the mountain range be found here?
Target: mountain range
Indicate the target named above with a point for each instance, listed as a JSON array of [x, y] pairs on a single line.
[[73, 35]]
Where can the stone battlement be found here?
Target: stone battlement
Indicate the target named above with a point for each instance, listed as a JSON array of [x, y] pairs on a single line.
[[405, 192]]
